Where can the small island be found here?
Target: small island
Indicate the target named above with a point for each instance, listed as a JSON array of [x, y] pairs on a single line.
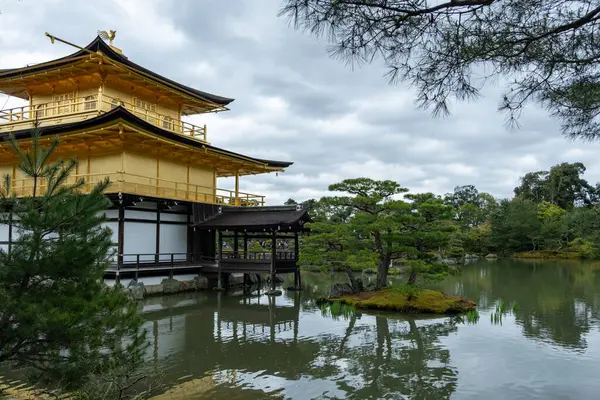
[[378, 226], [423, 301]]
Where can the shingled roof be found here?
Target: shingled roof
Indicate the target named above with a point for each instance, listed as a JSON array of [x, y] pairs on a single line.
[[121, 114], [99, 45], [256, 219]]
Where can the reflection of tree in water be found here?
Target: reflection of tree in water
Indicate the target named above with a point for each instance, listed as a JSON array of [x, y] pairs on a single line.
[[390, 359], [556, 301]]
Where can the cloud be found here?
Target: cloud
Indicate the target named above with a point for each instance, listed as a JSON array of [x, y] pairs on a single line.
[[293, 102]]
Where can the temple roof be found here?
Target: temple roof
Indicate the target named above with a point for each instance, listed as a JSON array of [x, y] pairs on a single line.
[[120, 114], [99, 45], [253, 219]]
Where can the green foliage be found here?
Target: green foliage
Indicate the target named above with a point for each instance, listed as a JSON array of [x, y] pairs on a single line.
[[515, 226], [375, 224], [471, 317], [562, 186], [410, 291], [547, 48], [456, 247], [56, 316], [472, 212], [368, 226], [588, 250]]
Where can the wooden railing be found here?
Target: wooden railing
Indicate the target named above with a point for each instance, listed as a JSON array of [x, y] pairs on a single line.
[[258, 255], [80, 108], [151, 187]]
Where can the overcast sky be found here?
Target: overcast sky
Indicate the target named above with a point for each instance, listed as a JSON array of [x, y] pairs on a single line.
[[295, 103]]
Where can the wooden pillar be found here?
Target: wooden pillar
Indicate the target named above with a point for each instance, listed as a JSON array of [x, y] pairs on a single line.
[[157, 249], [271, 321], [215, 185], [296, 315], [235, 245], [273, 258], [297, 278], [220, 260], [237, 188], [121, 235], [245, 245]]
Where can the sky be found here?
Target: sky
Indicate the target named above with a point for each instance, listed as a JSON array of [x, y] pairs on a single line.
[[294, 102]]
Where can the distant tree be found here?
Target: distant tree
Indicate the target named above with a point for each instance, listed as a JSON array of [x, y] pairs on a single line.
[[533, 186], [548, 49], [426, 227], [515, 226], [553, 228], [56, 315], [290, 202], [566, 186], [563, 186], [470, 207]]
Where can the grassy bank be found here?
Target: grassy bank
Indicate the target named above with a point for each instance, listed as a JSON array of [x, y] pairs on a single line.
[[408, 300], [548, 255]]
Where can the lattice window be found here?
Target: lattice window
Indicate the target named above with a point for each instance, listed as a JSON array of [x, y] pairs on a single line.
[[65, 102], [144, 105], [166, 122], [90, 102], [114, 103], [40, 111]]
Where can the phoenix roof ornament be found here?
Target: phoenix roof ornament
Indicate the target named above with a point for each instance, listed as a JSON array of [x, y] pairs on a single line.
[[108, 36]]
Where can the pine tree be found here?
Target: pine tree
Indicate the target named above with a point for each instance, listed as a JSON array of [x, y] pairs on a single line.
[[56, 315]]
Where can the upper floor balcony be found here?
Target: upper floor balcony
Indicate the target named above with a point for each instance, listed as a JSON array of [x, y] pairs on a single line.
[[81, 108], [145, 186]]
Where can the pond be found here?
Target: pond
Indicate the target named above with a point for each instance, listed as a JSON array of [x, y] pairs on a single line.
[[230, 346]]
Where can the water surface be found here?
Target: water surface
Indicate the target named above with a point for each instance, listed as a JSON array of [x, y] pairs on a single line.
[[232, 346]]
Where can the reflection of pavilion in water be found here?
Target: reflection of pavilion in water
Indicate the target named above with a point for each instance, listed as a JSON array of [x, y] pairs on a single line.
[[220, 344], [219, 332]]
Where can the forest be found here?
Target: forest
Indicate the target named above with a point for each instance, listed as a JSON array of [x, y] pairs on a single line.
[[366, 223]]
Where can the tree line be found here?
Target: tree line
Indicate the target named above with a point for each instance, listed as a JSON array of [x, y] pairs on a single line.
[[367, 223]]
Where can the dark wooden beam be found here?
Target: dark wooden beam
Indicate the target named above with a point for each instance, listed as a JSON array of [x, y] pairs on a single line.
[[157, 222], [220, 260], [297, 277], [235, 244], [286, 237], [121, 234], [273, 258]]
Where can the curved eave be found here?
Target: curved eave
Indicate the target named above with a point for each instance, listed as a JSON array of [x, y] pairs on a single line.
[[99, 45], [121, 114]]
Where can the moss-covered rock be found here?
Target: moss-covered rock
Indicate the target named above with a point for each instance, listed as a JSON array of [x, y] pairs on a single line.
[[422, 301], [171, 286]]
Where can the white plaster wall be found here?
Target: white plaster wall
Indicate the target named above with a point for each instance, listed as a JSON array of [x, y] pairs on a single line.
[[3, 233], [111, 213], [148, 215], [173, 217], [139, 238], [173, 239]]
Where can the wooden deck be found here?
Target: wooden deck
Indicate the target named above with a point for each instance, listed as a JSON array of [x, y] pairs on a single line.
[[137, 265]]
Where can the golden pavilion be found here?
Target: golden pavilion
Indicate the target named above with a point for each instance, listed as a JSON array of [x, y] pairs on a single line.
[[123, 121]]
